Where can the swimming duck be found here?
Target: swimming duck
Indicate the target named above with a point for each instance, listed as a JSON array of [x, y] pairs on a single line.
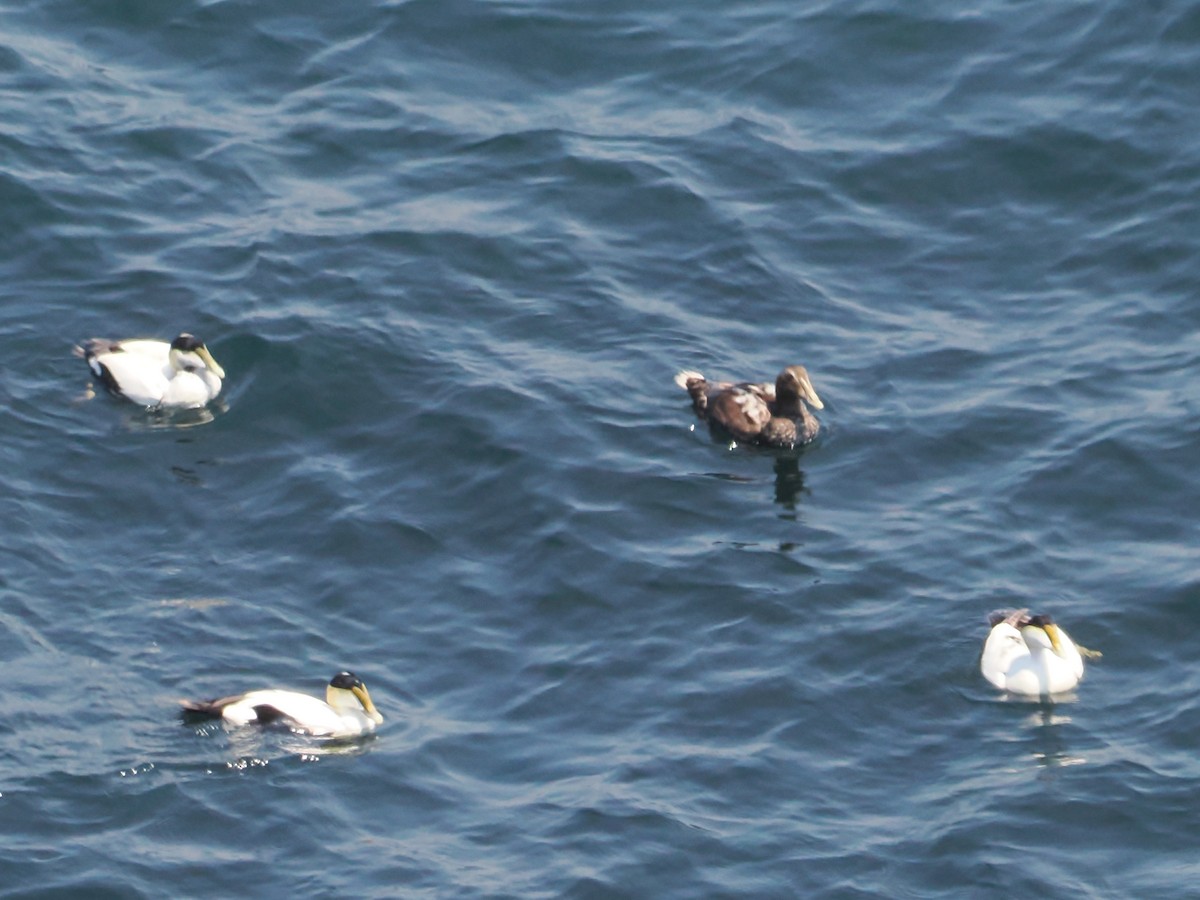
[[775, 415], [346, 711], [155, 373], [1029, 655]]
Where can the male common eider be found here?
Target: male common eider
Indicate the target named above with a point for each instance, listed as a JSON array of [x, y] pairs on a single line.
[[1029, 655], [346, 711], [180, 374], [774, 415]]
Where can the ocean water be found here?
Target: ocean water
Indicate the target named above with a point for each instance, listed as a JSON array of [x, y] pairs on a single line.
[[450, 255]]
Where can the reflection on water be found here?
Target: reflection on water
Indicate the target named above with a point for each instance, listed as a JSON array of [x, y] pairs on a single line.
[[254, 746], [789, 481], [153, 419], [1047, 732], [187, 476], [136, 418]]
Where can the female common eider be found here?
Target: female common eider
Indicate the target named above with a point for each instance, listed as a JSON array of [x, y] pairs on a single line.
[[346, 711], [180, 374], [1029, 655], [774, 415]]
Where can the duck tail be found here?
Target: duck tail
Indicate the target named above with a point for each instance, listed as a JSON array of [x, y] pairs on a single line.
[[94, 347], [1008, 616], [204, 709], [198, 708]]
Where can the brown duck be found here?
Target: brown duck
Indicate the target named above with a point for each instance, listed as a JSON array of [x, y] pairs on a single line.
[[773, 415]]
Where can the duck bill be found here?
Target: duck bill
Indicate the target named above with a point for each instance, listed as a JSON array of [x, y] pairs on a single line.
[[810, 395], [203, 353], [365, 699], [1055, 636]]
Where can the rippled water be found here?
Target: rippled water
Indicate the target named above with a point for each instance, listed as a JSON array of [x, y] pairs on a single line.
[[450, 255]]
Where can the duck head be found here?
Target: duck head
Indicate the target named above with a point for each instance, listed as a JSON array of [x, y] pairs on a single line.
[[794, 382], [188, 354]]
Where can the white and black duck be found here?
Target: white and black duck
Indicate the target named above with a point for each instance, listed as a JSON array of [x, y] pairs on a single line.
[[346, 711], [1030, 655], [181, 374]]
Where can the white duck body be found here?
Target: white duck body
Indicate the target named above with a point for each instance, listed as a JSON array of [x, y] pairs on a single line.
[[347, 710], [1030, 655], [151, 373]]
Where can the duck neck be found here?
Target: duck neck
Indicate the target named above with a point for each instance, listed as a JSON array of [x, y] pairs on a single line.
[[789, 404]]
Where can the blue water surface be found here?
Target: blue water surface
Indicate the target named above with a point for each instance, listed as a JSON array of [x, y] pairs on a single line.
[[450, 255]]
